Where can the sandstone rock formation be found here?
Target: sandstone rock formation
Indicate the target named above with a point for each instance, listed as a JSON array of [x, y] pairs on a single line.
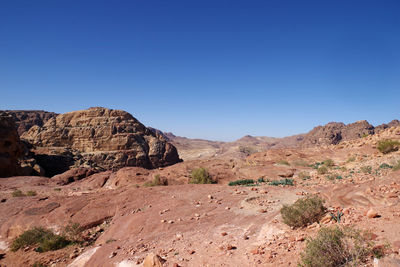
[[25, 119], [11, 148], [14, 155], [100, 137], [335, 132]]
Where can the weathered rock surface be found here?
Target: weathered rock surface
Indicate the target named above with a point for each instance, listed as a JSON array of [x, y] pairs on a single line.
[[25, 119], [335, 132], [103, 138], [73, 175], [11, 147]]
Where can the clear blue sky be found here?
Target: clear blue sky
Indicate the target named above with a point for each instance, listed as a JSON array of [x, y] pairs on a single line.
[[205, 68]]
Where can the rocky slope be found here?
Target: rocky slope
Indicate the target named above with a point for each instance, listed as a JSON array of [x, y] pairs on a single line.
[[123, 221], [25, 119], [98, 137]]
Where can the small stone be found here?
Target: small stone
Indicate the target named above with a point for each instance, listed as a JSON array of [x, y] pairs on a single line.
[[153, 260], [113, 254], [191, 252], [255, 251], [231, 247], [224, 233], [210, 197], [179, 236], [372, 213]]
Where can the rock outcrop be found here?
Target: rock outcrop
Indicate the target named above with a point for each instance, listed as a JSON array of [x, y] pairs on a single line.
[[25, 119], [393, 123], [100, 137], [15, 158], [11, 147], [335, 132]]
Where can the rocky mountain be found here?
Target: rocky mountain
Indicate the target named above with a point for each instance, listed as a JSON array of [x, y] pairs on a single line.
[[98, 137], [25, 119], [336, 132], [329, 134]]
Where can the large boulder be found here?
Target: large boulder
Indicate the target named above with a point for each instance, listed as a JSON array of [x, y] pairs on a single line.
[[11, 147], [103, 138]]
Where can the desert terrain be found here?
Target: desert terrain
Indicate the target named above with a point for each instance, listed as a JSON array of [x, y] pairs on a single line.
[[128, 191]]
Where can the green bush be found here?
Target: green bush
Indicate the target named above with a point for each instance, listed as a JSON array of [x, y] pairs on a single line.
[[303, 212], [285, 181], [334, 247], [241, 182], [366, 169], [18, 193], [157, 181], [52, 242], [200, 176], [261, 180], [45, 239], [322, 170], [387, 146], [385, 166]]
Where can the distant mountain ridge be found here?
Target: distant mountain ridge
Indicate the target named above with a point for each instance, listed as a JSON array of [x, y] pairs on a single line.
[[189, 148]]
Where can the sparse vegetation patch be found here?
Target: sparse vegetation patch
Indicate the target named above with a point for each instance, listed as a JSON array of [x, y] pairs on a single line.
[[303, 212], [329, 163], [157, 181], [396, 166], [18, 193], [322, 170], [336, 246], [285, 181], [387, 146], [366, 169], [201, 176], [283, 162], [44, 239], [241, 182], [385, 166], [304, 175]]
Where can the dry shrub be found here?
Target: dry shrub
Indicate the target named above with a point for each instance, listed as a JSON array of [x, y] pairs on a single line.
[[322, 170], [200, 176], [387, 146], [157, 181], [303, 212], [336, 246]]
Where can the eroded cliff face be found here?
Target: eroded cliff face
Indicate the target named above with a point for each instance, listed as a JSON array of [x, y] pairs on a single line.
[[25, 119], [11, 148], [101, 137]]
